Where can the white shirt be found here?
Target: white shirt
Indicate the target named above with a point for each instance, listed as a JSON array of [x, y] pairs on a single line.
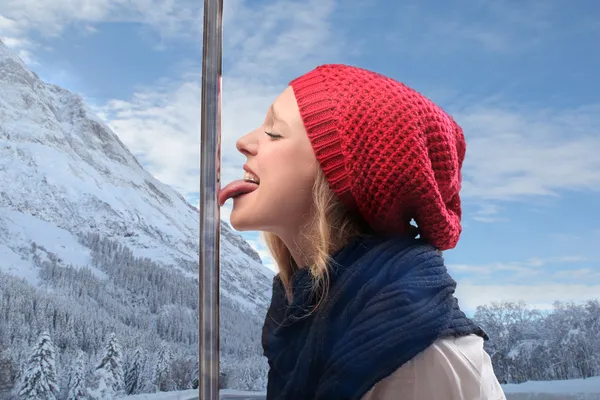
[[449, 369]]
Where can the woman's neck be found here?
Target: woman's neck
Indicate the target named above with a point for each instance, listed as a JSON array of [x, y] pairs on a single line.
[[300, 249]]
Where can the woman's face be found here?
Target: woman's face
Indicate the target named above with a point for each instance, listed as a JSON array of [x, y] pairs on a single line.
[[280, 155]]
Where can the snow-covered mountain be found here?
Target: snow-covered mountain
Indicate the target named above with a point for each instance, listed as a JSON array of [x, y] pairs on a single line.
[[73, 196]]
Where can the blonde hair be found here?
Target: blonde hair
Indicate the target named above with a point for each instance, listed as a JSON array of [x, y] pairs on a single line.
[[330, 228]]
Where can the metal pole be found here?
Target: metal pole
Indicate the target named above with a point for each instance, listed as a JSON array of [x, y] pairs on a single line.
[[210, 157]]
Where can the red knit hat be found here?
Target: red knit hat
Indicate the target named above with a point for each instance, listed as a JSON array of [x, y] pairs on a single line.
[[387, 151]]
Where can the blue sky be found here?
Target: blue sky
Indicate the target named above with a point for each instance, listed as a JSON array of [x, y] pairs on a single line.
[[518, 76]]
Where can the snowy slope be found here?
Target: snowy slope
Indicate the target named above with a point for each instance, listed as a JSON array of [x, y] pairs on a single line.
[[570, 386], [193, 395], [64, 172], [572, 389]]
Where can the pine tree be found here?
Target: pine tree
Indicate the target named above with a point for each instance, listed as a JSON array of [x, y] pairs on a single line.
[[111, 364], [39, 381], [133, 376], [77, 379], [106, 383], [162, 370], [195, 375], [7, 373]]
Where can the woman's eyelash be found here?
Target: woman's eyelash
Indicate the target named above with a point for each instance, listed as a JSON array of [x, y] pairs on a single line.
[[273, 135]]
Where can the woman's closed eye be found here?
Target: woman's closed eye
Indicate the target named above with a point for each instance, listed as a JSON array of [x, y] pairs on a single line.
[[273, 135]]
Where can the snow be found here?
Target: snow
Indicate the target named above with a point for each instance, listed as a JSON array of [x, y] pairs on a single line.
[[545, 390], [180, 395], [571, 386], [193, 394], [240, 394], [23, 229], [65, 166], [17, 266]]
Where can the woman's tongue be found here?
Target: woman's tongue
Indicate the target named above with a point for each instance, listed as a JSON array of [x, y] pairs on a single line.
[[236, 188]]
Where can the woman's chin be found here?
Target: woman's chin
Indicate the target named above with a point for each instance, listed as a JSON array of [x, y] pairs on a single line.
[[240, 221]]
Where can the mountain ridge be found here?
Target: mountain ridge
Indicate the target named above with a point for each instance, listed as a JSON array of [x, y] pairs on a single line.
[[78, 210]]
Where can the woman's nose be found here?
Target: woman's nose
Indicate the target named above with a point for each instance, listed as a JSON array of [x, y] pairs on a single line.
[[246, 145]]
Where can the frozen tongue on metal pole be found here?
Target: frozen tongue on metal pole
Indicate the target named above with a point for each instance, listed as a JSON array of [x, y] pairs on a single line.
[[234, 189]]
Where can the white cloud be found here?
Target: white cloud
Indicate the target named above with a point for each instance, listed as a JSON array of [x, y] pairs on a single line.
[[253, 32], [51, 17], [517, 154], [11, 29], [531, 281], [13, 37], [161, 126], [581, 273], [264, 42], [488, 213], [516, 269], [89, 29], [19, 19], [540, 296]]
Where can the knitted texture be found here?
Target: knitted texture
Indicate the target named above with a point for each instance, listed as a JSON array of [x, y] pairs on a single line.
[[389, 300], [387, 151]]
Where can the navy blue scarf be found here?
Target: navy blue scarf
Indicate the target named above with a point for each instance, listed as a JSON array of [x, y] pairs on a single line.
[[389, 300]]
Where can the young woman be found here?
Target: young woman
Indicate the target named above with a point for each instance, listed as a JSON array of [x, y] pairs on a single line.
[[362, 306]]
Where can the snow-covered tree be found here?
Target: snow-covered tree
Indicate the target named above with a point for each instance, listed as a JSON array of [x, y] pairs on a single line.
[[133, 374], [7, 373], [111, 364], [182, 372], [39, 381], [247, 374], [196, 375], [528, 344], [106, 384], [162, 369], [77, 379]]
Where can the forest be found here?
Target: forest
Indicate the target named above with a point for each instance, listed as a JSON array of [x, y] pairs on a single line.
[[529, 344], [141, 315], [135, 331]]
